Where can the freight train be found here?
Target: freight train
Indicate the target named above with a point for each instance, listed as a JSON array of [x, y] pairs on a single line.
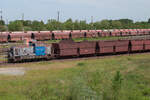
[[69, 48], [55, 35]]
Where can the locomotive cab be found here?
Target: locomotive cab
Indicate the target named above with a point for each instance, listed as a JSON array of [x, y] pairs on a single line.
[[30, 51], [10, 54]]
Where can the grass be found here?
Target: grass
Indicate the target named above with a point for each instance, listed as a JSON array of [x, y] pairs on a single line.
[[89, 39], [98, 38], [92, 79]]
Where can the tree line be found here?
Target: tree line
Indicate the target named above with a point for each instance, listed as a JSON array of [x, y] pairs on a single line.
[[52, 24]]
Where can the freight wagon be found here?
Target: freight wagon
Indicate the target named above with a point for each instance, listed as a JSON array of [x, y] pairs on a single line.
[[69, 48], [55, 35]]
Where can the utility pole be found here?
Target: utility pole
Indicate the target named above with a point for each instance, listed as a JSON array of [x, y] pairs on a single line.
[[86, 23], [58, 15], [7, 24], [92, 21], [22, 16], [22, 22], [1, 14]]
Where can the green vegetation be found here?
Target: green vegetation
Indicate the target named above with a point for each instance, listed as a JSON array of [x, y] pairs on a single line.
[[98, 38], [52, 24], [88, 39], [15, 26], [2, 26], [110, 78]]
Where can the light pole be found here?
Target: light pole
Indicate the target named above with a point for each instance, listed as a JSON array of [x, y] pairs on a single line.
[[22, 22], [58, 18]]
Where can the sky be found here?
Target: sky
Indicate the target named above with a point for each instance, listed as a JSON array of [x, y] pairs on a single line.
[[138, 10]]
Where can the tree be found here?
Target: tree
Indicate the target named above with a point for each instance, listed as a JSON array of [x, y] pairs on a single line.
[[37, 25], [2, 22], [126, 21], [15, 26], [83, 25], [116, 24], [68, 24], [97, 25], [76, 25], [54, 25], [2, 28], [27, 23], [105, 24], [27, 28], [149, 20]]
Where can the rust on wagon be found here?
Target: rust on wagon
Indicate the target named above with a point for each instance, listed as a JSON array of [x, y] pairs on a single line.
[[4, 36], [61, 35], [45, 35], [18, 36]]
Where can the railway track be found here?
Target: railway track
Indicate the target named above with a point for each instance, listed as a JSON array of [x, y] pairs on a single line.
[[3, 53], [5, 63], [99, 57]]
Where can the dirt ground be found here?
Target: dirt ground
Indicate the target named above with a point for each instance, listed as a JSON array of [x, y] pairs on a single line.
[[12, 71]]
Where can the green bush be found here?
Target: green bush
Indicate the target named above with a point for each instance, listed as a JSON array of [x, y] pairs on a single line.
[[81, 64]]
